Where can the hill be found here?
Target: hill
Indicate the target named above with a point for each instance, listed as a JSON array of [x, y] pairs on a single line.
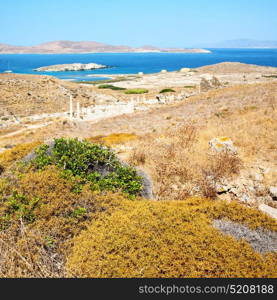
[[86, 47], [72, 209]]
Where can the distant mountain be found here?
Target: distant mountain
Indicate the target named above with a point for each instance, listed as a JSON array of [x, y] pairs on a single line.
[[242, 43], [86, 47]]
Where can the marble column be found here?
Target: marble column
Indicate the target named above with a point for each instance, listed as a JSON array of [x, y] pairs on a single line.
[[70, 107]]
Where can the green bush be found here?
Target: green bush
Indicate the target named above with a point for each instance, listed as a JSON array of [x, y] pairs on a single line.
[[167, 91], [111, 87], [84, 162], [136, 91], [21, 207]]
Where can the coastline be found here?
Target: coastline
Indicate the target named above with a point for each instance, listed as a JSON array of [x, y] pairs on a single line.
[[112, 52]]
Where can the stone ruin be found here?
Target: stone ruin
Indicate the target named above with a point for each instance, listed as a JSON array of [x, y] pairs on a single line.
[[77, 112]]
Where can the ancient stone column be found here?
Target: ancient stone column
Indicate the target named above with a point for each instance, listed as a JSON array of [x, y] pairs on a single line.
[[70, 107], [78, 110]]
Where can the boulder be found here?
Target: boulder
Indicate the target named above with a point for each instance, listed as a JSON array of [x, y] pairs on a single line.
[[221, 144], [184, 70], [272, 212], [273, 192]]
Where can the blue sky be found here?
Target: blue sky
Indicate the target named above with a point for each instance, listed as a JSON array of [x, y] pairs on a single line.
[[164, 23]]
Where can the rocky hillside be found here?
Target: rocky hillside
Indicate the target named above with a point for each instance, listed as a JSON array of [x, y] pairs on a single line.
[[76, 208], [24, 95]]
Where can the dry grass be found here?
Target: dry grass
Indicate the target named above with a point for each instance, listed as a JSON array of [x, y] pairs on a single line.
[[176, 166], [179, 159], [118, 237]]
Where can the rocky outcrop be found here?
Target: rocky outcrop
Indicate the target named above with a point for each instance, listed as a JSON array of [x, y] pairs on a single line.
[[71, 67], [222, 144], [261, 239], [273, 192], [249, 188], [185, 70]]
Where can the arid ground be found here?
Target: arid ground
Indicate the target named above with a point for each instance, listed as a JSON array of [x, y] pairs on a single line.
[[211, 155]]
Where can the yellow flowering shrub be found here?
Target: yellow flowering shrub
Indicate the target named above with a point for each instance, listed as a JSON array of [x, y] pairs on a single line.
[[52, 227], [10, 156], [168, 239], [114, 138], [40, 212]]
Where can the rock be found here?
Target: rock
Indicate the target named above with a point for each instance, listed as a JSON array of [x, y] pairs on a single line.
[[261, 239], [273, 192], [272, 212], [225, 197], [175, 187], [184, 70], [263, 200], [221, 144], [9, 146], [147, 190], [245, 198], [258, 177], [71, 67]]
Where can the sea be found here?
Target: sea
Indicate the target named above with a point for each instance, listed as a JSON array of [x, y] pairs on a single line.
[[132, 63]]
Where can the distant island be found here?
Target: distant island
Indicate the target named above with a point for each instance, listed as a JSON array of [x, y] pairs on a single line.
[[241, 43], [71, 67], [59, 47]]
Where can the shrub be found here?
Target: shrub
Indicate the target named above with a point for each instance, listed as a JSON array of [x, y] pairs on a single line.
[[111, 87], [136, 91], [9, 157], [91, 163], [40, 216], [113, 139], [1, 169], [138, 157], [21, 206], [224, 164], [165, 239], [167, 91]]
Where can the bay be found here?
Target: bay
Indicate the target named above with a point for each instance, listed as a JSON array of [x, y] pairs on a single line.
[[132, 63]]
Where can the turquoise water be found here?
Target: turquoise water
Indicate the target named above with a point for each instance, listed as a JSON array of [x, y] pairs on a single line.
[[130, 63]]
